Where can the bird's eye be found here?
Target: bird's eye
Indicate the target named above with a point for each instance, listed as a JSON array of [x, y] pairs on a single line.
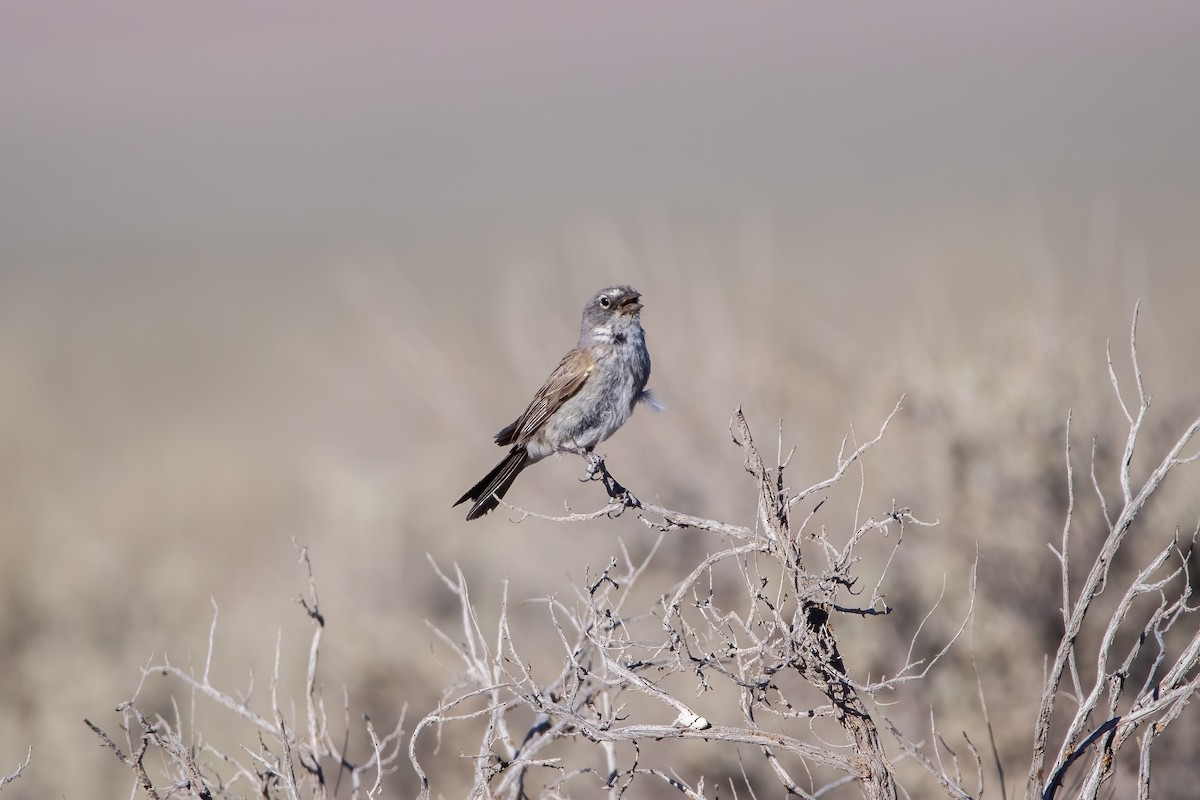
[[605, 301]]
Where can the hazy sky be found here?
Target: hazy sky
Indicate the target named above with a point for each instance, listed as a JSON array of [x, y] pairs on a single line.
[[137, 130]]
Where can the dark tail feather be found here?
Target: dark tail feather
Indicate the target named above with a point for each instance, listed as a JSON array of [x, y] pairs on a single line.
[[487, 492]]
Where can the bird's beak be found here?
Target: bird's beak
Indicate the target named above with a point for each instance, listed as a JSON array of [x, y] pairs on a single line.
[[629, 304]]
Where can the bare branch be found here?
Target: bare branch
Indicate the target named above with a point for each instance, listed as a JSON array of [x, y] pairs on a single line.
[[298, 764], [1159, 692], [12, 776]]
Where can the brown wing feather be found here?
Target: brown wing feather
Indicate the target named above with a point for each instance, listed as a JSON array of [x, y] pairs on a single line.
[[567, 379]]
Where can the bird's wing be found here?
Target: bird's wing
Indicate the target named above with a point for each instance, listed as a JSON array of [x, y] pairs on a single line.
[[567, 379]]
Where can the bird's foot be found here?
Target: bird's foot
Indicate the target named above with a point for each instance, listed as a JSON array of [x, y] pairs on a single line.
[[595, 467], [597, 471]]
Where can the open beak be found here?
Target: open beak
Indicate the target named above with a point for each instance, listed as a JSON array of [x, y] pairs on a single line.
[[629, 304]]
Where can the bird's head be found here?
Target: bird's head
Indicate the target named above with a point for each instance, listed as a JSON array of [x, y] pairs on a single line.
[[610, 310]]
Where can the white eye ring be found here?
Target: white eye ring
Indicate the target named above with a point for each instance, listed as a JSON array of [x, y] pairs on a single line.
[[605, 301]]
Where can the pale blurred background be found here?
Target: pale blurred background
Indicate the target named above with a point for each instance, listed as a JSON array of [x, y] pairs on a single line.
[[279, 271]]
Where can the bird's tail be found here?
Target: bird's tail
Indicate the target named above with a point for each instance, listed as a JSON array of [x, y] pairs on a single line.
[[491, 487]]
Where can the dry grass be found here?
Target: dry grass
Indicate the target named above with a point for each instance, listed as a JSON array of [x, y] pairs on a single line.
[[162, 442]]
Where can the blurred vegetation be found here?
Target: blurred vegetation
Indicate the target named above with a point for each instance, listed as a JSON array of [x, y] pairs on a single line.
[[165, 436]]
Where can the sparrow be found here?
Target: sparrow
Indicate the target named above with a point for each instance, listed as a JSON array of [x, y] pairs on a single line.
[[590, 394]]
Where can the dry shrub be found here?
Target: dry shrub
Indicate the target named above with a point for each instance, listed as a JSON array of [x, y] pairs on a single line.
[[725, 666]]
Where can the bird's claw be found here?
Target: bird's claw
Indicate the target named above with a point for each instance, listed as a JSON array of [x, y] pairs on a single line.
[[596, 471], [595, 467]]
